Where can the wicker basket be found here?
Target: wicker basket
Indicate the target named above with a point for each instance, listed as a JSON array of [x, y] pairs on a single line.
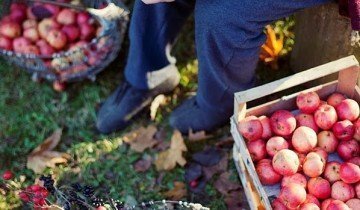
[[76, 64]]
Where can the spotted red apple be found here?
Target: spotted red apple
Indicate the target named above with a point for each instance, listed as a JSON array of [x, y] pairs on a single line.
[[308, 102], [275, 144], [266, 172], [292, 195], [304, 139], [325, 116], [251, 128], [286, 162], [265, 122], [295, 178], [348, 109], [332, 171], [327, 141], [342, 191], [257, 149], [335, 99], [306, 120], [343, 130], [319, 187], [282, 122], [349, 173], [348, 149]]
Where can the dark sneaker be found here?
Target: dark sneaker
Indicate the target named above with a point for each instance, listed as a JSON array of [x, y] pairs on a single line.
[[127, 101], [191, 116]]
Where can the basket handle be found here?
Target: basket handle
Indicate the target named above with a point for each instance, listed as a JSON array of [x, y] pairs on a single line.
[[350, 74]]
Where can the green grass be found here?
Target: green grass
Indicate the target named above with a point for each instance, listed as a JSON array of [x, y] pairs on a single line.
[[29, 112]]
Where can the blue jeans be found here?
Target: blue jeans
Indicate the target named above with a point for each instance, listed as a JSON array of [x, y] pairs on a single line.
[[228, 36]]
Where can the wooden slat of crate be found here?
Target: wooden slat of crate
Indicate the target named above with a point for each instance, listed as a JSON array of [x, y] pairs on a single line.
[[346, 83]]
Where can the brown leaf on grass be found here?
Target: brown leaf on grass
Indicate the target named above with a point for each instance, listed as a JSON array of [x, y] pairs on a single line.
[[221, 167], [178, 192], [270, 51], [141, 138], [168, 159], [224, 185], [236, 200], [155, 104], [43, 156], [198, 136], [143, 164]]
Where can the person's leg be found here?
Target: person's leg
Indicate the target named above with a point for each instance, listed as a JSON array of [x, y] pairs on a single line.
[[229, 35], [149, 70], [152, 29]]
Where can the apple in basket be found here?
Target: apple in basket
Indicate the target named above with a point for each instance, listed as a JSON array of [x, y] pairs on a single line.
[[5, 43], [87, 31], [31, 34], [83, 17], [327, 141], [46, 25], [308, 102], [66, 17], [57, 39], [348, 149], [342, 191], [335, 98], [325, 116], [10, 29], [348, 109], [29, 23], [307, 120], [72, 32], [45, 48], [19, 44], [332, 171]]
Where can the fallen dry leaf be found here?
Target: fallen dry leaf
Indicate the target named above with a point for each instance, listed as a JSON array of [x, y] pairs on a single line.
[[143, 164], [155, 104], [236, 200], [178, 192], [198, 136], [221, 167], [168, 159], [271, 49], [43, 156], [141, 138], [224, 185]]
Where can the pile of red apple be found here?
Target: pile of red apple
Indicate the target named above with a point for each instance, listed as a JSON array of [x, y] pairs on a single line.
[[23, 32], [293, 149]]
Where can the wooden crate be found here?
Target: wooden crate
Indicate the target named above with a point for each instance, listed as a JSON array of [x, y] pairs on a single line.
[[347, 69]]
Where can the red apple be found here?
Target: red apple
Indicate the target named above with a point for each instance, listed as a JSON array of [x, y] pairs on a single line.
[[282, 122], [275, 144], [304, 139], [31, 34], [335, 99], [319, 187], [355, 160], [357, 130], [10, 30], [19, 44], [53, 9], [278, 205], [306, 120], [343, 130], [342, 191], [46, 25], [313, 165], [312, 199], [308, 102], [66, 17], [83, 17], [18, 6], [87, 32], [72, 32], [332, 171], [348, 109], [286, 162], [357, 190], [326, 203], [266, 173], [309, 206], [257, 149], [292, 195], [251, 128], [265, 122], [327, 141], [5, 43], [57, 39], [45, 48], [18, 15], [325, 116], [295, 178], [29, 24], [323, 154], [348, 149], [349, 173], [353, 203], [337, 205]]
